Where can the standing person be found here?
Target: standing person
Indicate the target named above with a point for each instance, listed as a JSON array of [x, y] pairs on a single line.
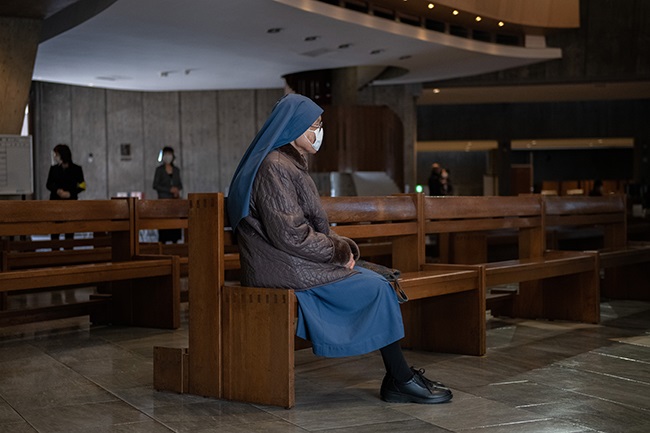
[[167, 182], [434, 180], [65, 180], [597, 190], [285, 241], [446, 187]]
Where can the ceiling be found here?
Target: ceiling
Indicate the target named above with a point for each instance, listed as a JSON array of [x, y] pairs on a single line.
[[159, 45]]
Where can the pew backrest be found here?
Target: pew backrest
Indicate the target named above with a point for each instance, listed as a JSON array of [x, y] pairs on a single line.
[[392, 219], [607, 212], [161, 214], [461, 215], [37, 217]]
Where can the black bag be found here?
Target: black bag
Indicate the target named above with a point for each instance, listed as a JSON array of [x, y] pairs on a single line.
[[392, 275]]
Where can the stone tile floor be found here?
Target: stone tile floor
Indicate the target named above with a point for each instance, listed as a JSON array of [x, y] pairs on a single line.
[[537, 376]]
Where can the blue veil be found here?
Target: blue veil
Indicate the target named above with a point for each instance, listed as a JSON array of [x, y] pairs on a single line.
[[292, 115]]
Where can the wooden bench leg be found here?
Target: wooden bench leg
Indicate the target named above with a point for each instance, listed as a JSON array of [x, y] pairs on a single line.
[[571, 297], [149, 302], [627, 282], [170, 369], [453, 323], [258, 345], [101, 314]]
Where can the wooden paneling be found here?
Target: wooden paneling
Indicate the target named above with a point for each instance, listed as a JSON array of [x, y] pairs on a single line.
[[521, 179], [401, 100], [361, 138], [540, 13]]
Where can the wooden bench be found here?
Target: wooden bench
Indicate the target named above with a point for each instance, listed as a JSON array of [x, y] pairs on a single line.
[[257, 325], [625, 265], [20, 254], [144, 290], [159, 215], [551, 284], [172, 214], [30, 254]]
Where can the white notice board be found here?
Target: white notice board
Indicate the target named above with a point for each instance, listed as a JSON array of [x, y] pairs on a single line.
[[16, 165]]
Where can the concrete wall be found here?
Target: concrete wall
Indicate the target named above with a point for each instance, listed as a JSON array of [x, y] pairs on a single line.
[[208, 130]]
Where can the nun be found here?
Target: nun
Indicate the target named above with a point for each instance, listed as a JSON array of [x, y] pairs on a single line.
[[286, 242]]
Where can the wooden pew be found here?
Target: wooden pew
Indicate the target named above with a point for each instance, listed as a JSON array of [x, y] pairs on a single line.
[[625, 264], [166, 214], [158, 215], [29, 254], [24, 254], [133, 280], [256, 326], [551, 284], [396, 220]]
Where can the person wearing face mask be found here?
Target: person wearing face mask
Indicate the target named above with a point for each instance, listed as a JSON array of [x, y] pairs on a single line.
[[65, 180], [167, 182], [285, 242]]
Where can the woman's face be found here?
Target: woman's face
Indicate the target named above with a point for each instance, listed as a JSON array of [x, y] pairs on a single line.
[[168, 157], [304, 143]]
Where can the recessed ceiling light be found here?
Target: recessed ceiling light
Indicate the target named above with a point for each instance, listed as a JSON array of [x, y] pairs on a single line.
[[501, 24], [431, 6], [478, 19], [311, 38], [436, 90], [455, 12], [274, 30]]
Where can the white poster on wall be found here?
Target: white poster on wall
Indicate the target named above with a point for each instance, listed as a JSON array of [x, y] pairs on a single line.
[[16, 166]]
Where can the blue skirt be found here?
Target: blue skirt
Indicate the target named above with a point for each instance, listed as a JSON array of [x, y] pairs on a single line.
[[353, 316]]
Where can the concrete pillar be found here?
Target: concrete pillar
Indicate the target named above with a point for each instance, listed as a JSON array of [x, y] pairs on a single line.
[[19, 39]]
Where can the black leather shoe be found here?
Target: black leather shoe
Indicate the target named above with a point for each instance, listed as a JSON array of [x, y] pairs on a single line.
[[416, 390], [431, 383]]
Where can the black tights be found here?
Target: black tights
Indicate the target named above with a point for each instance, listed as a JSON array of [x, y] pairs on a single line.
[[395, 363]]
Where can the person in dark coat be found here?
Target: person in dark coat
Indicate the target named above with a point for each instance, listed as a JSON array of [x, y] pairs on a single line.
[[286, 242], [167, 182], [597, 190], [434, 180], [65, 180]]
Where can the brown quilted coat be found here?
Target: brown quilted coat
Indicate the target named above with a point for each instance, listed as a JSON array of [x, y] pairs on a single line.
[[286, 241]]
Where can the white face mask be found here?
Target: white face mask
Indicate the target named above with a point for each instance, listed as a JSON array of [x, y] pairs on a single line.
[[168, 158], [319, 139], [56, 158]]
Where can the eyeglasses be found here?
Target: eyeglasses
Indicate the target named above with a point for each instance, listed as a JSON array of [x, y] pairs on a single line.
[[316, 127]]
